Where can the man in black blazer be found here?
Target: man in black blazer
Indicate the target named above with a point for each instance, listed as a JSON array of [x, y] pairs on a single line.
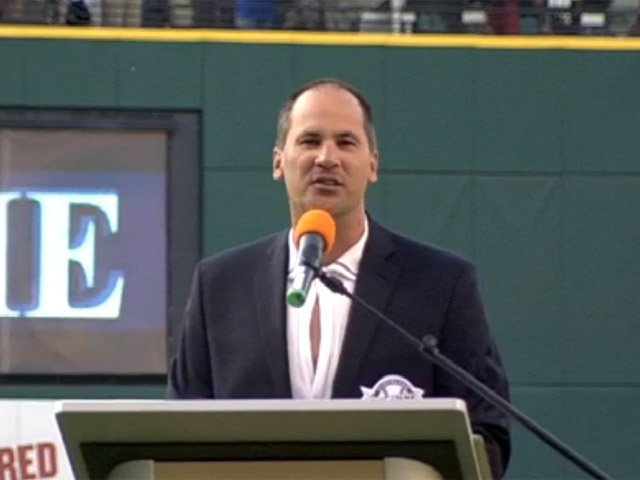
[[236, 336]]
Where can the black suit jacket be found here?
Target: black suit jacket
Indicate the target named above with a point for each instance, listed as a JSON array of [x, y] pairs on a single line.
[[233, 339]]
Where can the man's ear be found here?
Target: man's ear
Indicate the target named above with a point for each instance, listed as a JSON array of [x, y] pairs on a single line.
[[278, 174], [373, 174]]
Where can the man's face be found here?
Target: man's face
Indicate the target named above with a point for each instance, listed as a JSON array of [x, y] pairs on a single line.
[[326, 161]]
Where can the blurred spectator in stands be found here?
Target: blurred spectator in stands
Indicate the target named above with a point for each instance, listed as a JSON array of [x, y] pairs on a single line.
[[593, 19], [560, 17], [213, 13], [504, 17], [386, 16], [177, 13], [446, 16], [7, 10], [122, 13], [635, 30], [346, 15], [341, 15], [155, 13], [77, 13], [28, 11], [623, 16], [252, 14], [575, 17], [304, 15], [501, 17]]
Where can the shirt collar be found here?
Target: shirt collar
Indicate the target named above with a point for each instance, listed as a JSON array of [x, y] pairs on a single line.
[[348, 263]]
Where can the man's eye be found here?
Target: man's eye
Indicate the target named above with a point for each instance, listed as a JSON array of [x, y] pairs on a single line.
[[309, 141]]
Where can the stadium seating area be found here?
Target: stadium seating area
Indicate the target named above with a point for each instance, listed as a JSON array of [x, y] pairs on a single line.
[[528, 17]]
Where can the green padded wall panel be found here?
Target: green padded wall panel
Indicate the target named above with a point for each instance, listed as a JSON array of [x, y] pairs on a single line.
[[244, 86], [429, 207], [517, 224], [517, 102], [71, 73], [531, 458], [602, 423], [161, 75], [601, 231], [357, 65], [11, 72], [601, 110], [429, 109], [240, 207], [598, 422]]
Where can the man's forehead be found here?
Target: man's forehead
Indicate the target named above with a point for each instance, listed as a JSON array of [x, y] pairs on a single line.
[[323, 98], [327, 110]]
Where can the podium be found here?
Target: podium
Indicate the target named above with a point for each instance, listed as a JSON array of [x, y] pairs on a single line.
[[269, 439]]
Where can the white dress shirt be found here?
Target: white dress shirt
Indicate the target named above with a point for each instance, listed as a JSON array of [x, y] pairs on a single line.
[[307, 382]]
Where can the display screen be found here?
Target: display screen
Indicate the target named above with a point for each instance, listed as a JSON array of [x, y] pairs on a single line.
[[84, 251]]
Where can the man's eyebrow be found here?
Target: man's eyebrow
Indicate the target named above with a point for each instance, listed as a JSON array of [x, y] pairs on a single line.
[[348, 134], [308, 133]]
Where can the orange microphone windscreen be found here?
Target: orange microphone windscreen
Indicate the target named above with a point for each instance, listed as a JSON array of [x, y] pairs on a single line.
[[317, 221]]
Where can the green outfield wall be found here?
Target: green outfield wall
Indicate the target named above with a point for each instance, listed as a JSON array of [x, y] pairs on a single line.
[[522, 154]]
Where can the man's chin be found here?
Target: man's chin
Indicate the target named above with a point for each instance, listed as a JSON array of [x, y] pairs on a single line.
[[322, 205]]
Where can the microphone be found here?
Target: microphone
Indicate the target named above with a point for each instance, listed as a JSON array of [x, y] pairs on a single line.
[[314, 236]]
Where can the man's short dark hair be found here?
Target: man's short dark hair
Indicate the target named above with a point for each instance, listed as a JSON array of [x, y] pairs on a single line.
[[284, 117]]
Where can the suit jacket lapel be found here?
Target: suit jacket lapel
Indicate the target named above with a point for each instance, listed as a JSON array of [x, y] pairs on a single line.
[[270, 282], [376, 278]]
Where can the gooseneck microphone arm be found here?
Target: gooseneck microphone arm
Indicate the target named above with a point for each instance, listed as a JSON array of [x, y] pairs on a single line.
[[428, 349]]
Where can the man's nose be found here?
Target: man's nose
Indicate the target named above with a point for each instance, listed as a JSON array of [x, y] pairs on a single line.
[[328, 155]]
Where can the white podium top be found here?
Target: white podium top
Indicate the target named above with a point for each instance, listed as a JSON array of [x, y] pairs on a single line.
[[127, 422]]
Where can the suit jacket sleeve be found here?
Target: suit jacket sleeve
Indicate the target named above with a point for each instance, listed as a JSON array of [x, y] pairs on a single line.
[[190, 371], [466, 340]]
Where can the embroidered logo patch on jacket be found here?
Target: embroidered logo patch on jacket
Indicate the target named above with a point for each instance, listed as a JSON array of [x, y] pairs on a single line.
[[392, 387]]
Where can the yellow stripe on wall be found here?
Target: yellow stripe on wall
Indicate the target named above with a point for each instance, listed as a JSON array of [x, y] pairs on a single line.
[[541, 42]]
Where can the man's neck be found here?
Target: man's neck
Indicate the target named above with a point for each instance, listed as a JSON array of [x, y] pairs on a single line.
[[348, 232]]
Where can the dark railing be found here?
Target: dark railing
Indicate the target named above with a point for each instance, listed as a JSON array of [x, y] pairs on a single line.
[[567, 17]]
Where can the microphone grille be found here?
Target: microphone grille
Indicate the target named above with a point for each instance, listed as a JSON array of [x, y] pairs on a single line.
[[316, 221]]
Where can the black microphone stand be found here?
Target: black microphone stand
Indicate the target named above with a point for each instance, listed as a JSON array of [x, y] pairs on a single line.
[[428, 349]]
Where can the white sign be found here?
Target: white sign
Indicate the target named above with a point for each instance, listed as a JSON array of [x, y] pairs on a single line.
[[58, 249], [31, 447]]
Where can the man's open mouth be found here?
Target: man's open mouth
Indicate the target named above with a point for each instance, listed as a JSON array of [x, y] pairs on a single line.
[[326, 182]]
